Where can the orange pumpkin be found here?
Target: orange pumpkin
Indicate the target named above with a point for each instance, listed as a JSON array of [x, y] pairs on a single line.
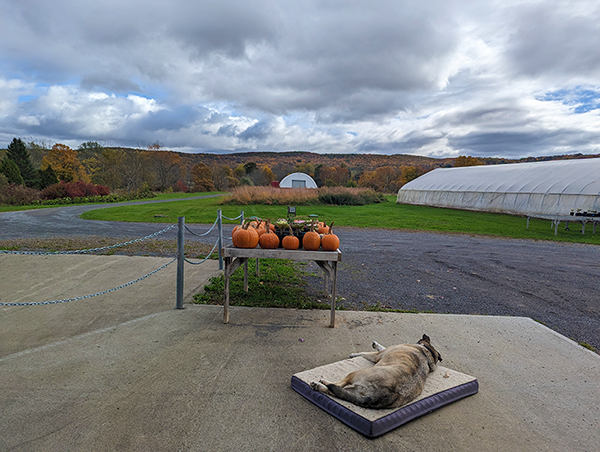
[[245, 237], [290, 242], [311, 240], [268, 240], [323, 228], [330, 241]]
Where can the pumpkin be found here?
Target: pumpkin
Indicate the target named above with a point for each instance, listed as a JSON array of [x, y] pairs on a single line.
[[330, 241], [268, 240], [323, 228], [290, 242], [261, 228], [245, 237], [311, 240]]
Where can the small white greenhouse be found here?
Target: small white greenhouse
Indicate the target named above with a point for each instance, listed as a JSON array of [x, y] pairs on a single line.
[[536, 188], [298, 180]]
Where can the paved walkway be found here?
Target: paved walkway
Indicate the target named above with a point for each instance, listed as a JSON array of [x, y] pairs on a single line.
[[126, 371]]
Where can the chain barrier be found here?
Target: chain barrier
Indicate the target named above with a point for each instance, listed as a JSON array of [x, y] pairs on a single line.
[[241, 215], [206, 233], [205, 259], [180, 258], [90, 250], [67, 300]]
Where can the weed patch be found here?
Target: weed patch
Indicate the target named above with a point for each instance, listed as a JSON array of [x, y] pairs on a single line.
[[280, 284]]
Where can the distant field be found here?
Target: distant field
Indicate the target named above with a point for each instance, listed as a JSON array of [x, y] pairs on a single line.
[[385, 215], [160, 196]]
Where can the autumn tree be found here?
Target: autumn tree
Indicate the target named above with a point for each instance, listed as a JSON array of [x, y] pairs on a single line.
[[65, 163], [268, 174], [135, 169], [408, 173], [223, 177], [332, 175], [467, 161], [107, 168], [167, 167], [18, 153], [386, 179], [202, 178]]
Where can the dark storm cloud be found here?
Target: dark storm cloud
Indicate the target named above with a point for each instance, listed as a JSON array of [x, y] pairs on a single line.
[[437, 78]]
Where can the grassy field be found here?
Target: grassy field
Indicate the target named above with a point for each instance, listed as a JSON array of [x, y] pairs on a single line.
[[280, 285], [387, 215], [159, 196]]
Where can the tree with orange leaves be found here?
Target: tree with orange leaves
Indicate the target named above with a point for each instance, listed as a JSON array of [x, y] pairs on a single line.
[[65, 164]]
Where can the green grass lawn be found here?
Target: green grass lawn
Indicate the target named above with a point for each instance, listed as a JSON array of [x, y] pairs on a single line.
[[280, 285], [159, 196], [387, 215]]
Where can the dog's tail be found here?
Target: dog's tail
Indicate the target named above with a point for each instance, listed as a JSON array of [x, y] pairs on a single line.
[[384, 398]]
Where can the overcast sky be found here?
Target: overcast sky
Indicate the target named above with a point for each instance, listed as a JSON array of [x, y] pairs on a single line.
[[436, 78]]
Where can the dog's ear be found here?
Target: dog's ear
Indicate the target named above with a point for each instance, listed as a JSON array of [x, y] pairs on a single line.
[[426, 338]]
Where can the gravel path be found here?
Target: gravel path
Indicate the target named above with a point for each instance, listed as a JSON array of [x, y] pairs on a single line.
[[554, 283]]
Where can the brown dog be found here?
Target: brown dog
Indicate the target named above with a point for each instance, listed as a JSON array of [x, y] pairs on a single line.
[[397, 377]]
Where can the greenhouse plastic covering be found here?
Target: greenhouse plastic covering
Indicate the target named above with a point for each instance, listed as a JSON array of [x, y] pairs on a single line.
[[539, 188]]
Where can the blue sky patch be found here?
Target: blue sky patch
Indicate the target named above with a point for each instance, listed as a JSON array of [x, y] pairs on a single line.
[[580, 99]]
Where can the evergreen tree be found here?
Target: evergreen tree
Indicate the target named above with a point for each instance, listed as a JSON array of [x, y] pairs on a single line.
[[47, 177], [10, 169], [18, 153]]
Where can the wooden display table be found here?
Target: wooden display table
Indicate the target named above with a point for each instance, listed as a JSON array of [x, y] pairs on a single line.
[[327, 260]]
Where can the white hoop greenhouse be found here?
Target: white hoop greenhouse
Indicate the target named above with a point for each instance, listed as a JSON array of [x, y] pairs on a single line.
[[539, 188], [298, 180]]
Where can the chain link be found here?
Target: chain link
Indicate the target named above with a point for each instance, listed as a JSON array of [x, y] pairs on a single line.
[[206, 233], [232, 219], [67, 300], [206, 258], [90, 250]]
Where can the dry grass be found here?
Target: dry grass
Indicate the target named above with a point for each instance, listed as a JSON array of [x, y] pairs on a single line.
[[247, 195], [154, 247]]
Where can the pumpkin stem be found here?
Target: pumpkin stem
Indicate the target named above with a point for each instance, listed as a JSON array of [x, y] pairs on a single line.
[[330, 228]]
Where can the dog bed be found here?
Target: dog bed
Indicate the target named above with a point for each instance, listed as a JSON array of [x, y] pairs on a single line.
[[443, 387]]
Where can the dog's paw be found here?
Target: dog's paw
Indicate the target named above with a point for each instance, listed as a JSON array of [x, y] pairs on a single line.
[[377, 346], [318, 386], [354, 355]]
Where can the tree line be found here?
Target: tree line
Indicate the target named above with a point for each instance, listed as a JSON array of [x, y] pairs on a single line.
[[129, 170], [126, 170]]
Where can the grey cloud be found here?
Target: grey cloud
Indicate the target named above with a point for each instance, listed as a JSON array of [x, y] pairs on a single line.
[[558, 41], [259, 131]]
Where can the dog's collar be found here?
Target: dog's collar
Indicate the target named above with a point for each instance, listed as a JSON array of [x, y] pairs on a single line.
[[431, 350]]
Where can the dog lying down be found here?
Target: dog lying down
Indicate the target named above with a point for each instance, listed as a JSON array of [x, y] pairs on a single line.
[[397, 377]]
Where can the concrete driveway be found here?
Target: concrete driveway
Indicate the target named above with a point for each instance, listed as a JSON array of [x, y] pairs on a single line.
[[125, 371]]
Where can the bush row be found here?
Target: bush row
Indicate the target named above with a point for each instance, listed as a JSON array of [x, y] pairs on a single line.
[[66, 193], [340, 196]]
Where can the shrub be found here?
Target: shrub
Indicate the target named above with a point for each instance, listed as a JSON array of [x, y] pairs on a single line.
[[102, 190], [180, 186], [55, 191], [18, 195], [340, 196]]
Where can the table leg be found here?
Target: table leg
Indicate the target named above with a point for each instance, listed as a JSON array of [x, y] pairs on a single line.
[[246, 276], [333, 293], [226, 303]]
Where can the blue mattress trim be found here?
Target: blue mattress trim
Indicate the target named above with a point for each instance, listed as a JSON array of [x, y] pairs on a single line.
[[407, 413]]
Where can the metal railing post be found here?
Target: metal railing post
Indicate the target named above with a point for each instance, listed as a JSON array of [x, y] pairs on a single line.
[[180, 260], [241, 217], [220, 226]]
